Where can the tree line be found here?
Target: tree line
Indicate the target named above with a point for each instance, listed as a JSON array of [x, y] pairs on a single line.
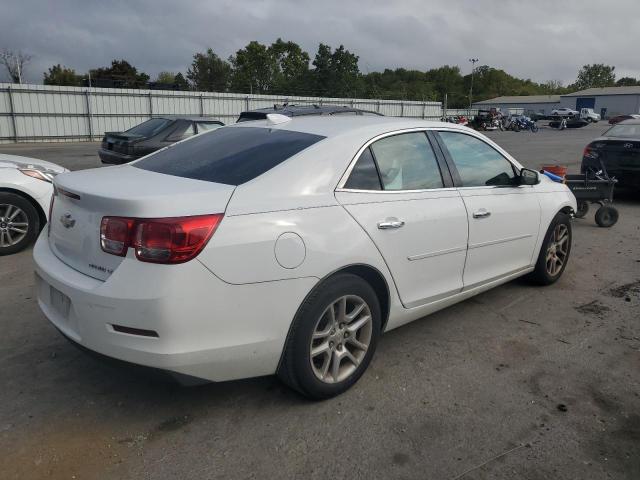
[[284, 68]]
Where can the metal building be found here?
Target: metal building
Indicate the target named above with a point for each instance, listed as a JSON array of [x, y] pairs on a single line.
[[522, 103], [607, 101]]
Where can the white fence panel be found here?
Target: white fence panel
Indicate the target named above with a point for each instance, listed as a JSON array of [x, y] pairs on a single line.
[[31, 113]]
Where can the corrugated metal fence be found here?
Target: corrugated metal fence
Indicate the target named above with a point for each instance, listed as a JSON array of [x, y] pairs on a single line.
[[37, 113]]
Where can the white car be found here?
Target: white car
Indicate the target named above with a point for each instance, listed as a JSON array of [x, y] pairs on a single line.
[[25, 193], [564, 111], [289, 245]]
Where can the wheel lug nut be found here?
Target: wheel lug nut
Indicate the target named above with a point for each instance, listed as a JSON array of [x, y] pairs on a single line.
[[331, 344], [339, 346], [346, 334], [341, 326]]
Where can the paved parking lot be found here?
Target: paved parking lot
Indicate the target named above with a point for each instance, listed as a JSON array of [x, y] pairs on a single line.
[[519, 382]]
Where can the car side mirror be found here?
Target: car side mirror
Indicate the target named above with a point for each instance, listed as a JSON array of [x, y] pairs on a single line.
[[529, 177]]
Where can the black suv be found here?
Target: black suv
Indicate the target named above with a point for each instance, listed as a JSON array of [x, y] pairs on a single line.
[[301, 110], [149, 136]]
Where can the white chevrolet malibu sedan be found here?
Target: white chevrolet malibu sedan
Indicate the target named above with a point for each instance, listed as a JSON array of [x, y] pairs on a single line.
[[287, 246]]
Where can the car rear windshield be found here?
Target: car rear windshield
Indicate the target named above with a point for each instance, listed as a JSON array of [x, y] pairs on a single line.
[[230, 155], [150, 127], [631, 130]]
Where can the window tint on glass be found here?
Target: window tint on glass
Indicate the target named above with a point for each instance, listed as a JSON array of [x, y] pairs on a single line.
[[150, 127], [364, 175], [206, 126], [183, 131], [232, 155], [407, 162], [478, 163]]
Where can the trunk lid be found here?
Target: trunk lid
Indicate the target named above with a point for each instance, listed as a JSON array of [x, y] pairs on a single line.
[[120, 141], [82, 198], [619, 153]]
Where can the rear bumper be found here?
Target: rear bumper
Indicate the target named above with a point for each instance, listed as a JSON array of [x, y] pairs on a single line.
[[115, 158], [626, 176], [206, 328]]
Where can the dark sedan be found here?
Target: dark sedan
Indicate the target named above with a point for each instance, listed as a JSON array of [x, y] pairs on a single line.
[[300, 110], [149, 136], [618, 150]]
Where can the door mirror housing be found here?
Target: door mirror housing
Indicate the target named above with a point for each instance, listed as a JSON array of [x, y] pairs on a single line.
[[529, 177]]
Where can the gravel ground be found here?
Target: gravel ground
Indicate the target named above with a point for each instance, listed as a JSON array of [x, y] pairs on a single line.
[[518, 382]]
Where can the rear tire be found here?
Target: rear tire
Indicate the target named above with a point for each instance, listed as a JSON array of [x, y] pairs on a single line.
[[19, 223], [583, 209], [606, 216], [554, 252], [325, 352]]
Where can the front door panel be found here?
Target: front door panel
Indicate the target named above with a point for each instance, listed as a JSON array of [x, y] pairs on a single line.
[[503, 230]]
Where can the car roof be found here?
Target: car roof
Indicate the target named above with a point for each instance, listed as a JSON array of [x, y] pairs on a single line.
[[299, 110], [630, 121], [187, 117], [356, 126]]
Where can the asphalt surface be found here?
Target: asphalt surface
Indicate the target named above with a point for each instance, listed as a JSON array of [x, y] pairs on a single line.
[[519, 382]]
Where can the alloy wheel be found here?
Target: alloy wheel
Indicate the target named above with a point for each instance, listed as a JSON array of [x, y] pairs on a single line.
[[557, 250], [340, 339], [14, 225]]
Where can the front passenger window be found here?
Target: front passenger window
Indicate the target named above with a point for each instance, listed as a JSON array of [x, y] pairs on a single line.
[[478, 164]]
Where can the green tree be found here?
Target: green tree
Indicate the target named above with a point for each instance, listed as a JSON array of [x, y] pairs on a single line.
[[166, 77], [627, 82], [121, 74], [170, 80], [291, 66], [181, 82], [208, 72], [336, 73], [445, 80], [63, 76], [254, 69], [596, 75]]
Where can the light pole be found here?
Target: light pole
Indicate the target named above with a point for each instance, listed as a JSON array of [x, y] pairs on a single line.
[[473, 69]]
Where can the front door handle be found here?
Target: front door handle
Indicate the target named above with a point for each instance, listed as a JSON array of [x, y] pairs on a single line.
[[482, 213], [389, 224]]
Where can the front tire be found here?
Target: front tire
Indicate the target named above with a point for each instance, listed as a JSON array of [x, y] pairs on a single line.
[[333, 337], [554, 252], [19, 223]]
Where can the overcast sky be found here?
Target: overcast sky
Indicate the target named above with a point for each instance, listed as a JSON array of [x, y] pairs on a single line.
[[540, 39]]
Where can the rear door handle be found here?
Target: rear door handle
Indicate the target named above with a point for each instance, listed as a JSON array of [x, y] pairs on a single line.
[[482, 213], [389, 224]]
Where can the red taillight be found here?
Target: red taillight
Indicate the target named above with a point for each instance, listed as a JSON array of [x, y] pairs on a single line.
[[589, 152], [115, 233], [158, 240]]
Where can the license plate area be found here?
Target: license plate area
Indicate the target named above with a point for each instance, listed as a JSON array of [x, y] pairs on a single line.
[[59, 302]]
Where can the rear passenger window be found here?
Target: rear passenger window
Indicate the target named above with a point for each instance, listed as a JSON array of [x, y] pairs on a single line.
[[407, 162], [477, 163], [364, 175]]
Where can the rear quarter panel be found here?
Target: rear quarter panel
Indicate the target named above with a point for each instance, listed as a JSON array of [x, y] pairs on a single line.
[[243, 249]]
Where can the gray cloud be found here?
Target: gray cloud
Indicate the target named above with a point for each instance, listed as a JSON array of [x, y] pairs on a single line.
[[541, 40]]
